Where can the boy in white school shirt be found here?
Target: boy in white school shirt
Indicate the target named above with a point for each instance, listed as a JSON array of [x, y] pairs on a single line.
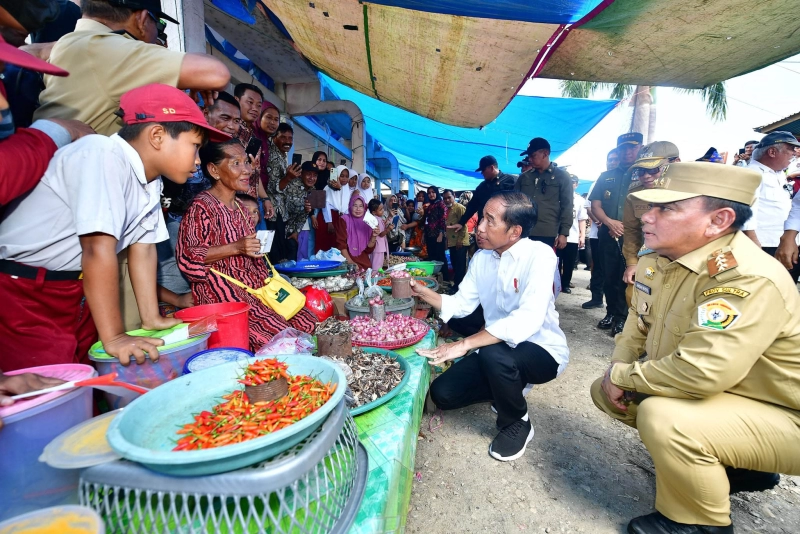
[[512, 278], [99, 196]]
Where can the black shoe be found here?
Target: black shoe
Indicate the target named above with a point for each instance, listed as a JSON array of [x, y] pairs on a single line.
[[606, 322], [592, 304], [566, 290], [619, 324], [747, 480], [656, 523], [510, 443]]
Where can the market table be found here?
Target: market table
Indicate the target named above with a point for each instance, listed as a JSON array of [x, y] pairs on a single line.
[[389, 433]]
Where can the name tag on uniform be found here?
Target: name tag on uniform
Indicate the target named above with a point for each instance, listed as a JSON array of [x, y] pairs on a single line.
[[640, 208], [643, 288]]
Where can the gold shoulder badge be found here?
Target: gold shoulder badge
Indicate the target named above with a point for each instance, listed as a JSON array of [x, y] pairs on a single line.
[[735, 291], [717, 314], [720, 261]]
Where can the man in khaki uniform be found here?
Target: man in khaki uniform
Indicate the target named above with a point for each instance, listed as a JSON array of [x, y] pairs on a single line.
[[721, 385], [644, 173], [111, 52]]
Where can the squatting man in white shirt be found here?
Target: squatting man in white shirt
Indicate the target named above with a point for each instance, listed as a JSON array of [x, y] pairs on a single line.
[[512, 278]]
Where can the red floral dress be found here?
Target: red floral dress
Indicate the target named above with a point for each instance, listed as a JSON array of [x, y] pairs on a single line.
[[209, 223]]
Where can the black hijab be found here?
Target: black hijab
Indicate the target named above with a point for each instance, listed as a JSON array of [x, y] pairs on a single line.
[[322, 176]]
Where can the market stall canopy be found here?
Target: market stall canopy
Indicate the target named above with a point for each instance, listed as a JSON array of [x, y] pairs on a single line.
[[789, 124], [461, 61], [447, 156], [677, 43]]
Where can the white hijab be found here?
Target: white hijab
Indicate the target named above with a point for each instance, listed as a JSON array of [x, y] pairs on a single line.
[[338, 199], [369, 192]]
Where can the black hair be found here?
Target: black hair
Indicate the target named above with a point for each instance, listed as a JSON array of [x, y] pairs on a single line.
[[612, 151], [215, 153], [240, 88], [373, 205], [245, 196], [222, 96], [743, 211], [284, 127], [751, 143], [317, 154], [409, 201], [104, 10], [448, 191], [520, 210], [129, 132]]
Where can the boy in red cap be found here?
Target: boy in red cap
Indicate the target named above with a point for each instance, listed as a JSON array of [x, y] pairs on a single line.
[[100, 196]]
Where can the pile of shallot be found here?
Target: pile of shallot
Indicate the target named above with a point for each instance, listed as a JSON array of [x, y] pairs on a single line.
[[400, 274], [395, 328], [376, 301]]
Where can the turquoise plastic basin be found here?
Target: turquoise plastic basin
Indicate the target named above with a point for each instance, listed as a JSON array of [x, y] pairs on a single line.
[[145, 431]]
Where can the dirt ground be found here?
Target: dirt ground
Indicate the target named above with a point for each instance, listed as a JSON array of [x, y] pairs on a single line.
[[583, 472]]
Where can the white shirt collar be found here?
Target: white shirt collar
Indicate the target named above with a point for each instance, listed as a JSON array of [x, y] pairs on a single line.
[[760, 167], [133, 157], [515, 250]]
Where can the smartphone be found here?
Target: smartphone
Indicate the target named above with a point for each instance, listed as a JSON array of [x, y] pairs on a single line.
[[741, 151], [253, 146], [297, 159], [395, 205], [342, 162]]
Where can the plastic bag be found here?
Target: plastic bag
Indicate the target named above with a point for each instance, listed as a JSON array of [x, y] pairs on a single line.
[[372, 290], [290, 341]]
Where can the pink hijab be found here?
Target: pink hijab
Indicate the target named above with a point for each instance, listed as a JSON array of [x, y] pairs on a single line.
[[264, 137], [358, 232]]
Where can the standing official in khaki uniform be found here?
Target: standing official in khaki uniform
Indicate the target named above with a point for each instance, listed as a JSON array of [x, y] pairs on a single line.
[[644, 173], [717, 403]]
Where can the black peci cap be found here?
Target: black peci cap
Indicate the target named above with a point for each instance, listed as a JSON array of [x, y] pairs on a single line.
[[154, 6], [486, 161]]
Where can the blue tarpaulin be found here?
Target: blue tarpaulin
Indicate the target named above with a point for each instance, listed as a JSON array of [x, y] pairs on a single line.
[[550, 12], [429, 151]]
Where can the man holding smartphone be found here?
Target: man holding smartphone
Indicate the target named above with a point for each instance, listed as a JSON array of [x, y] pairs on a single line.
[[280, 175]]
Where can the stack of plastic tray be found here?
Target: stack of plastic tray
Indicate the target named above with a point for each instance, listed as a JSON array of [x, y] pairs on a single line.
[[314, 487]]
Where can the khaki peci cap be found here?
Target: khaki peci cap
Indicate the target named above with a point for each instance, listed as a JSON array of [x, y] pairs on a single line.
[[680, 181], [656, 154]]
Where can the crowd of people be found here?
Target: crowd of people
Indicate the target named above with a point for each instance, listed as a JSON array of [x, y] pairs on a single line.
[[135, 195]]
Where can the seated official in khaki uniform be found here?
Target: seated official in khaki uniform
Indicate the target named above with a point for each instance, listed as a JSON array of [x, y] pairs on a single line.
[[717, 402]]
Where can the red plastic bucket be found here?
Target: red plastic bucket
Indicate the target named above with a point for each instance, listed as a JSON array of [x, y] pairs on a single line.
[[233, 323]]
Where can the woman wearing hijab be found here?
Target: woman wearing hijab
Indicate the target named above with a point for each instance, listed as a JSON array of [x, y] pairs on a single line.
[[354, 237], [337, 197], [435, 228], [365, 188], [353, 183], [263, 129], [320, 161]]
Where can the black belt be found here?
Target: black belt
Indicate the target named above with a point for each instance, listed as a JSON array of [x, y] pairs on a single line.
[[19, 270]]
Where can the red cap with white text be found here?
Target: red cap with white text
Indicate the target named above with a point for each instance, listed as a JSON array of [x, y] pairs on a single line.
[[158, 102]]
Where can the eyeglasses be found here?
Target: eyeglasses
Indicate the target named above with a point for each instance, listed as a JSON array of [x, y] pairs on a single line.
[[160, 24]]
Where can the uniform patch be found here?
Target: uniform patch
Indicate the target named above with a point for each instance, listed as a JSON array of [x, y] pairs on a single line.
[[720, 261], [717, 314], [645, 289], [649, 273], [607, 194], [735, 291]]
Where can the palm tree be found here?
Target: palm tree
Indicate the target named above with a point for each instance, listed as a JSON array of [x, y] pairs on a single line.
[[643, 98]]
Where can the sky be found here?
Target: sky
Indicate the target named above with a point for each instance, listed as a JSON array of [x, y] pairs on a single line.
[[754, 99]]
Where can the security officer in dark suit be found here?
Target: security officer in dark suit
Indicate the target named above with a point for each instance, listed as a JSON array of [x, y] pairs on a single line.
[[550, 188], [608, 200]]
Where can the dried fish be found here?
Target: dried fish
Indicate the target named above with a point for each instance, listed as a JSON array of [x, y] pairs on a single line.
[[333, 327], [396, 260], [374, 375], [329, 283]]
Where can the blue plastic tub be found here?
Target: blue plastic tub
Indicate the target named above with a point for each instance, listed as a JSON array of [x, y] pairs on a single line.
[[145, 431], [213, 357]]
